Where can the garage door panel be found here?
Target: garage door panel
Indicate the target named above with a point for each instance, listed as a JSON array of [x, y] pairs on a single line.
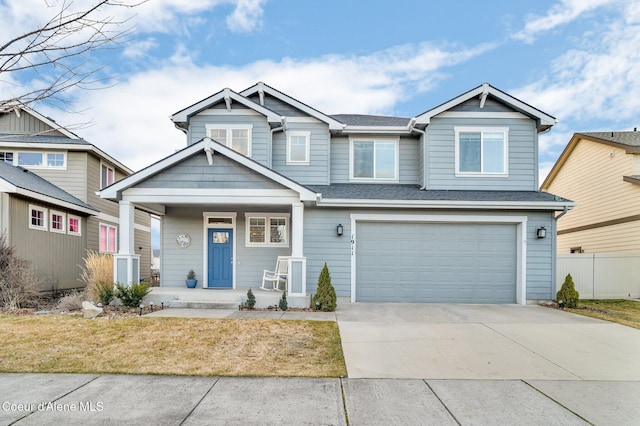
[[429, 262]]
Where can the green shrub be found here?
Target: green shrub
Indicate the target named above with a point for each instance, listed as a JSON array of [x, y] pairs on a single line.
[[325, 297], [283, 305], [251, 300], [568, 294], [132, 295], [191, 275], [104, 292]]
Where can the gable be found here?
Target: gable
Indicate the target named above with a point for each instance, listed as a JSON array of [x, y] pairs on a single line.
[[279, 106], [491, 104], [25, 124], [195, 172]]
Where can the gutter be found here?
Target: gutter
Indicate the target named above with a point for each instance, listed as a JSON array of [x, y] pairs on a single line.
[[443, 204], [423, 136]]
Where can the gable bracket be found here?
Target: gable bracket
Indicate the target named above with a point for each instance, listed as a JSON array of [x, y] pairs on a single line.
[[227, 99]]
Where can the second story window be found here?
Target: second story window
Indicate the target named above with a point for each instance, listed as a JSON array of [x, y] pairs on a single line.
[[236, 136], [298, 148], [374, 160], [52, 160], [30, 159], [481, 151], [7, 157], [107, 175]]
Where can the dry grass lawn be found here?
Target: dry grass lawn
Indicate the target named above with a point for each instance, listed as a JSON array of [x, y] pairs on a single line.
[[182, 346], [625, 312]]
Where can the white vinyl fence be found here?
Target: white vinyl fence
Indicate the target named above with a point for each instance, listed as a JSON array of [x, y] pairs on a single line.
[[601, 275]]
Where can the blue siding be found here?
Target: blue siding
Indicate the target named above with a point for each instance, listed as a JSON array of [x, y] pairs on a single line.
[[523, 139], [317, 171]]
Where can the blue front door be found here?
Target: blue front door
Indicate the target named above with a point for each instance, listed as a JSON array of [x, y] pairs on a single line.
[[220, 258]]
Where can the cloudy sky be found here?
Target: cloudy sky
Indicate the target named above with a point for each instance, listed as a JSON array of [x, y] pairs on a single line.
[[577, 60]]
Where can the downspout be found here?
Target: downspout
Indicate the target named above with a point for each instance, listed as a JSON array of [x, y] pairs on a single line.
[[423, 137], [282, 127]]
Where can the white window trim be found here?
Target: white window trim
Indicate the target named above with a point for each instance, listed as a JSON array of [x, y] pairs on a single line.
[[44, 217], [307, 136], [110, 167], [45, 154], [13, 158], [115, 242], [64, 221], [79, 233], [267, 231], [481, 130], [353, 139], [229, 128]]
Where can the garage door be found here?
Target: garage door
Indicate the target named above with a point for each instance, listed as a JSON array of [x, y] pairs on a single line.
[[435, 262]]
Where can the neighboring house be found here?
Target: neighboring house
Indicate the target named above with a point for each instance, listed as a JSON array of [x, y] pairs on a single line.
[[601, 172], [49, 207], [441, 207]]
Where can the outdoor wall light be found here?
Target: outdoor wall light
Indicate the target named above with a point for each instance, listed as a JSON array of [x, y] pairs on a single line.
[[339, 230], [541, 232]]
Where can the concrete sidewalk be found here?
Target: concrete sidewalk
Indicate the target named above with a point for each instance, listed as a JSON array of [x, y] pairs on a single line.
[[46, 399]]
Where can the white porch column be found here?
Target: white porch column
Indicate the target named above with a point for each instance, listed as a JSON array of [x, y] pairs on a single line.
[[126, 264], [297, 262], [297, 229]]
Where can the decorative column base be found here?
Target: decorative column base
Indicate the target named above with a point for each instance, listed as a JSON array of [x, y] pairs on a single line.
[[126, 268], [297, 285]]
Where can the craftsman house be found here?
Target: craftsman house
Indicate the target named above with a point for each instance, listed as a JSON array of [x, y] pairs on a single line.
[[49, 207], [440, 207]]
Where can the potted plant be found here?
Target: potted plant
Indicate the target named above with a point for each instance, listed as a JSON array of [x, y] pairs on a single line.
[[191, 279]]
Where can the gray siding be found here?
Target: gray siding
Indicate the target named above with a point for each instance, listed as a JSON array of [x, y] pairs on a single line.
[[410, 170], [317, 172], [490, 105], [176, 262], [278, 106], [259, 136], [54, 257], [196, 172], [26, 124], [522, 155], [322, 245]]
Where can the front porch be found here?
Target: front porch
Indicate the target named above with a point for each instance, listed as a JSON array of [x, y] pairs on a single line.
[[175, 297]]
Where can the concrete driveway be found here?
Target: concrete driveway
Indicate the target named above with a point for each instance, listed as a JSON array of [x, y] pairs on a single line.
[[491, 342]]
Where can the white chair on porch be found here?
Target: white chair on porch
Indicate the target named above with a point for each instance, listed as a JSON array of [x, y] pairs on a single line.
[[276, 279]]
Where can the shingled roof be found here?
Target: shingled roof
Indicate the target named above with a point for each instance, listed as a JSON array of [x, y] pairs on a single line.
[[27, 180], [625, 138], [370, 120]]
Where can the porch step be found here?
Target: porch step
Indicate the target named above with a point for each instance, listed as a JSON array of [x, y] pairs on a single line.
[[202, 304]]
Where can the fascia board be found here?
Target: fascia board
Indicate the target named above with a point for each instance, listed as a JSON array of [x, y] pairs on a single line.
[[333, 124], [184, 115], [505, 205], [403, 130]]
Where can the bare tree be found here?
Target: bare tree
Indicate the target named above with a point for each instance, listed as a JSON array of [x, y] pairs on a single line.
[[57, 54]]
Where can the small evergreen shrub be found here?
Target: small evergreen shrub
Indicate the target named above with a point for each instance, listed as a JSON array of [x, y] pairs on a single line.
[[191, 275], [105, 292], [132, 295], [568, 294], [325, 293], [251, 300], [283, 305]]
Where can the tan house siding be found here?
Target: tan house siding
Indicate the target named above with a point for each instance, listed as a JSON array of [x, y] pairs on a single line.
[[58, 264], [73, 179], [592, 176], [93, 180], [26, 124]]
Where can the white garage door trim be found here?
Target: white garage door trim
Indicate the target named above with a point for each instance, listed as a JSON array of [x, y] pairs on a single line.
[[521, 243]]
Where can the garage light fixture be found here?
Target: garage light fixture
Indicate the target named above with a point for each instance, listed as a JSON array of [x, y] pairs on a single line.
[[339, 230], [541, 232]]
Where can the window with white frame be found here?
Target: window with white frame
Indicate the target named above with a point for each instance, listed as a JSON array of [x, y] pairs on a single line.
[[107, 242], [298, 147], [374, 159], [57, 222], [74, 224], [33, 159], [267, 229], [54, 160], [235, 136], [107, 175], [6, 156], [482, 151], [37, 218]]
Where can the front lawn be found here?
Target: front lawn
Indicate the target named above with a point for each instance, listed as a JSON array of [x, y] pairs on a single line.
[[182, 346], [621, 311]]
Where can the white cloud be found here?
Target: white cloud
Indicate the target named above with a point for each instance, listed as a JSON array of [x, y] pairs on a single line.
[[139, 49], [132, 118], [560, 14], [246, 16]]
